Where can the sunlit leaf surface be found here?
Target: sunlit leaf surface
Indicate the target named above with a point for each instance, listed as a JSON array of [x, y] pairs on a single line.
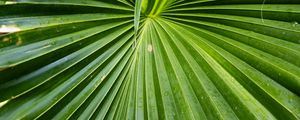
[[150, 59]]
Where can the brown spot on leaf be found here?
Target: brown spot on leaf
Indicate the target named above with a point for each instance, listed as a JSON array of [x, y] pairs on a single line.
[[19, 42], [5, 39]]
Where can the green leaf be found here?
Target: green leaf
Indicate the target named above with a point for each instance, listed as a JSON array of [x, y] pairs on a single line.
[[150, 59]]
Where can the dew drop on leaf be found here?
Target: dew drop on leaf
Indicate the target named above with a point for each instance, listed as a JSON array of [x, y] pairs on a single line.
[[150, 48], [294, 24]]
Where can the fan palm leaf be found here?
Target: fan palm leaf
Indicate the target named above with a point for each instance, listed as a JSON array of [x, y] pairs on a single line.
[[150, 59]]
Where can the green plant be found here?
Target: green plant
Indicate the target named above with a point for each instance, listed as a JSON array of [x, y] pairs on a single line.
[[150, 59]]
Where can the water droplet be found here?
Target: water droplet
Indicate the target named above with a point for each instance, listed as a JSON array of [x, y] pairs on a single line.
[[295, 23], [150, 48]]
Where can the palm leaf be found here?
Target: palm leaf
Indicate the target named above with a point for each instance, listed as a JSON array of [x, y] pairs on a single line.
[[150, 59]]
